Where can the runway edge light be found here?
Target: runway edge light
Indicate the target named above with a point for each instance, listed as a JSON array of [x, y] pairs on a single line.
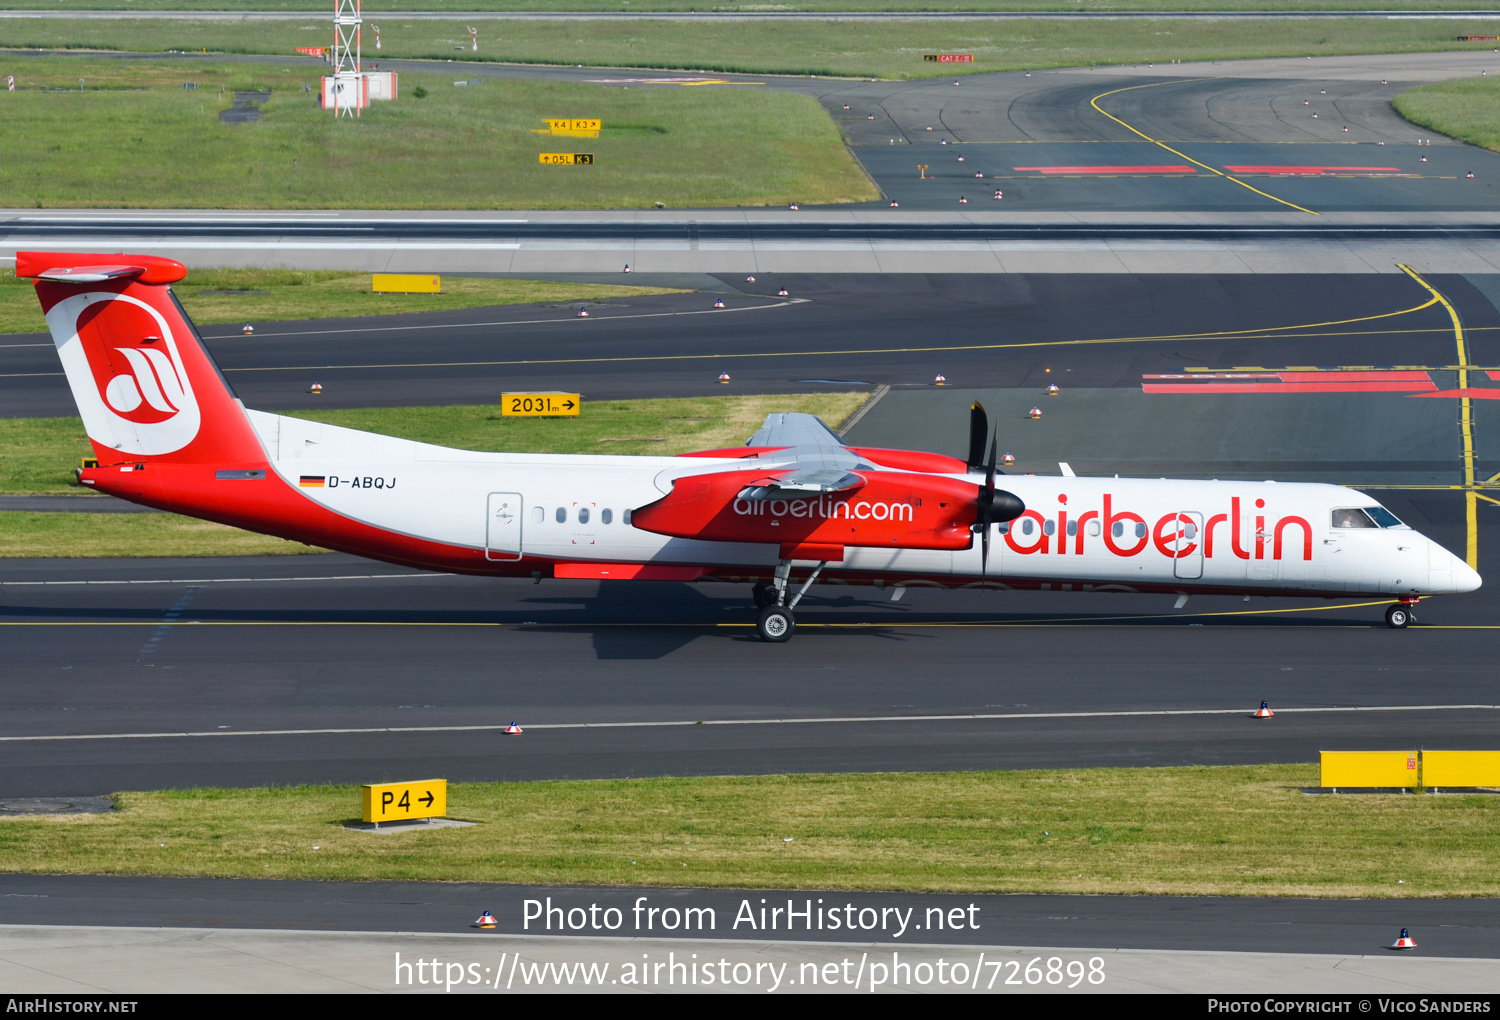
[[1405, 941], [513, 729], [1264, 711], [486, 920]]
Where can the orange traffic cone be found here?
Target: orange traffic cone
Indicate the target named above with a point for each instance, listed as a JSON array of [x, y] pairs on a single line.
[[513, 729], [1264, 711], [486, 920], [1404, 942], [939, 380], [724, 378]]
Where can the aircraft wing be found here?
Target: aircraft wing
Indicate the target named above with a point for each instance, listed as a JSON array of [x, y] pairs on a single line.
[[790, 428]]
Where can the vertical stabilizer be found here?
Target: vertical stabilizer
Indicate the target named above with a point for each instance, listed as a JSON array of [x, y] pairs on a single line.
[[146, 387]]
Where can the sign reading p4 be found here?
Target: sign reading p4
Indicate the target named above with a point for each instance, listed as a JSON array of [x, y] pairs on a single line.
[[398, 802]]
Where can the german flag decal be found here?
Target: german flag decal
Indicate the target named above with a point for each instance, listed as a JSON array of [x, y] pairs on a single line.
[[311, 482]]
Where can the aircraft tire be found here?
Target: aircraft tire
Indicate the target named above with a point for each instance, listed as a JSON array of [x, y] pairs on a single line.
[[764, 595], [775, 624], [1397, 617]]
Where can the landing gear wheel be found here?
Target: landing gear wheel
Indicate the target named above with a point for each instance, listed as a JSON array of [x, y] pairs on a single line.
[[1397, 617], [775, 624], [764, 595]]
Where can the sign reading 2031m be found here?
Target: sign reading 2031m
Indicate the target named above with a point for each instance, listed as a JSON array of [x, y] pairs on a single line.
[[566, 158], [398, 802], [539, 405]]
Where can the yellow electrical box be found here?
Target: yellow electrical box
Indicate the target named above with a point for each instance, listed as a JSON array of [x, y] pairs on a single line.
[[403, 283], [540, 405], [1368, 768], [1460, 768], [399, 802]]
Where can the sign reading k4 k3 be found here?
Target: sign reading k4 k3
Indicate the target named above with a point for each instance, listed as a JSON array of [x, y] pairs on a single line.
[[397, 802], [587, 127]]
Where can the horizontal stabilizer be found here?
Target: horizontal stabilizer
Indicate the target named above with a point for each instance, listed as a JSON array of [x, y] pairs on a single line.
[[89, 274]]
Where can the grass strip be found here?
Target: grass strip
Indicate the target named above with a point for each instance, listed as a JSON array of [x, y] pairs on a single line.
[[320, 294], [1232, 830], [865, 49], [1468, 108], [28, 535], [643, 6], [135, 138], [37, 455]]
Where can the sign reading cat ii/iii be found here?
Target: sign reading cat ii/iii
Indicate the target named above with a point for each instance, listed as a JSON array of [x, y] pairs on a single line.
[[566, 158]]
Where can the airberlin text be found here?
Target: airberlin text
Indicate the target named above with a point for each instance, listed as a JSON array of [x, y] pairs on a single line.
[[1174, 535], [365, 482], [828, 509]]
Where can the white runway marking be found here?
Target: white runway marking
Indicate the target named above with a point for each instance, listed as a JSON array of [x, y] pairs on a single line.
[[663, 724]]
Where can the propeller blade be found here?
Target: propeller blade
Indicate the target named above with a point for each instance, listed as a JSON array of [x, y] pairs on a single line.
[[984, 551], [989, 470], [979, 427]]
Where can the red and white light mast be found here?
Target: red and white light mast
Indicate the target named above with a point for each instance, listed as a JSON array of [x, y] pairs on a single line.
[[348, 80]]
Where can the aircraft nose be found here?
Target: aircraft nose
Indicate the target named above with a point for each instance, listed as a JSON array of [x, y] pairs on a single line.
[[1465, 577]]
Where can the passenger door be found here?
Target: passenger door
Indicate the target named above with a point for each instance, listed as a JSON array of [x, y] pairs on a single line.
[[1189, 565], [502, 533]]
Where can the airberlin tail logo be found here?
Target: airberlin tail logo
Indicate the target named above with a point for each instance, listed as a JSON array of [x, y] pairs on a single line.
[[149, 391], [126, 373]]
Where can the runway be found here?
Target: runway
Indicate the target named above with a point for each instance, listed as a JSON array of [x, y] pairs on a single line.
[[846, 331]]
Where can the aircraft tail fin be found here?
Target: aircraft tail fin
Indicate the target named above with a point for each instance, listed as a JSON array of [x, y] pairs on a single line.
[[146, 386]]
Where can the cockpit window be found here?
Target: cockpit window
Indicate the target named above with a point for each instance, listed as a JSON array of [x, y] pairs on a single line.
[[1352, 518], [1383, 517]]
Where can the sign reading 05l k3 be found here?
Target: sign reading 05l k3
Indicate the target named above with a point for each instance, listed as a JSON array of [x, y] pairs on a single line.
[[566, 158], [398, 802]]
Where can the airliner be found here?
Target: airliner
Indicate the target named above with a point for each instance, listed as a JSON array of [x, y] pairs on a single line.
[[795, 505]]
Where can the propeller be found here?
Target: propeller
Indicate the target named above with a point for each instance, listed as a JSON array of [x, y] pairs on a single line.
[[979, 429], [996, 506]]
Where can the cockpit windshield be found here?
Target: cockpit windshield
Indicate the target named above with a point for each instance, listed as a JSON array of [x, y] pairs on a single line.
[[1364, 517]]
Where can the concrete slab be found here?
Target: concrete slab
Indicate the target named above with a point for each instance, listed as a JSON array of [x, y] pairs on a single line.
[[1342, 438]]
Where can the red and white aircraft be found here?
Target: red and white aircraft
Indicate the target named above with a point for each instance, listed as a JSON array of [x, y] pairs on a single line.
[[792, 506]]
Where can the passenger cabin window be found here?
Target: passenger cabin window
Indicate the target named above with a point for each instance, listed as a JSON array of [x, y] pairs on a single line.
[[538, 514], [562, 515], [1352, 518], [625, 518], [583, 515], [606, 515], [1027, 527]]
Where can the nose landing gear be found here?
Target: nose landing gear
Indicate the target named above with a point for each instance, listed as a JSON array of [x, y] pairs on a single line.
[[1401, 614]]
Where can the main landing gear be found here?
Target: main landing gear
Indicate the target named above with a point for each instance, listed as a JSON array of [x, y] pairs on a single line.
[[1399, 615], [776, 622]]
